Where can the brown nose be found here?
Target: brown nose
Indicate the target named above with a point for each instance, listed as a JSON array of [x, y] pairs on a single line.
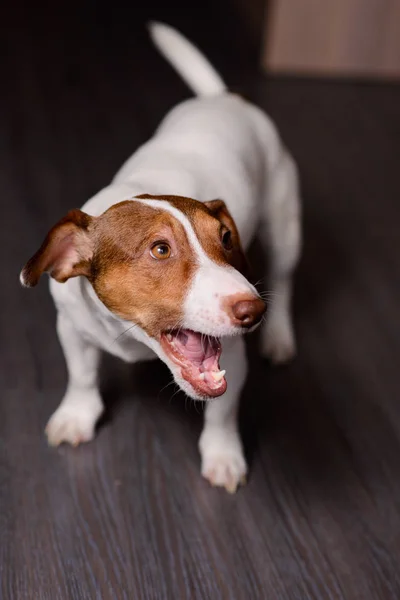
[[248, 313]]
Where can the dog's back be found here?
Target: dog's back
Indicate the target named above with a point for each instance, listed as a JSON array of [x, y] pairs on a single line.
[[213, 145]]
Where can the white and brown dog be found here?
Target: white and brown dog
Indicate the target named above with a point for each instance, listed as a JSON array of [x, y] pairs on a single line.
[[155, 257]]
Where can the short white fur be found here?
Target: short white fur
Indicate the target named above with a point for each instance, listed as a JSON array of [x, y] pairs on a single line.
[[214, 146]]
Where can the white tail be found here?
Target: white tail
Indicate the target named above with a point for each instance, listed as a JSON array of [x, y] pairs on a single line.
[[188, 61]]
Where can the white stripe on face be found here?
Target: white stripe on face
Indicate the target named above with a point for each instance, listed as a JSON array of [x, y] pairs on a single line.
[[179, 216], [211, 285]]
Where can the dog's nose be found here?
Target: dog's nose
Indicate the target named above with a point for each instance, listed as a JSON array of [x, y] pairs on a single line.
[[248, 313]]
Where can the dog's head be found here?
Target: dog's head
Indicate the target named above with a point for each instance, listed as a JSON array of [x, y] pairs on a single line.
[[171, 265]]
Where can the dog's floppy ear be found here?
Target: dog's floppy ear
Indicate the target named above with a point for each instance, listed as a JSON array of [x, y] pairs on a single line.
[[220, 211], [66, 251]]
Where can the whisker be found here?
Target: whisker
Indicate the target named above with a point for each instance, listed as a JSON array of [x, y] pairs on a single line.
[[177, 327], [175, 393], [270, 293], [166, 386], [259, 282], [195, 406], [270, 298], [209, 340], [201, 341], [124, 332]]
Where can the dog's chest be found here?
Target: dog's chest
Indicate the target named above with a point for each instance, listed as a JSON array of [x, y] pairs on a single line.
[[115, 337]]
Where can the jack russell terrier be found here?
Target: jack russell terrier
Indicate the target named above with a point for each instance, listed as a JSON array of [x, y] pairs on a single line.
[[153, 266]]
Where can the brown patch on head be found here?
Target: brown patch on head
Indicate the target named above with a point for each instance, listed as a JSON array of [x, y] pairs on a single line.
[[128, 279], [114, 252], [210, 221], [235, 255]]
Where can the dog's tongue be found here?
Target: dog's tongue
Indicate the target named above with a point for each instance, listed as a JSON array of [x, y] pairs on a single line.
[[196, 348], [193, 349]]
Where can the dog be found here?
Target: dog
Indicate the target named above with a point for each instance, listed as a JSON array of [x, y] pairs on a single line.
[[154, 266]]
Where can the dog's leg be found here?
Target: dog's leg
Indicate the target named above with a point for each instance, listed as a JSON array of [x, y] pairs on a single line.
[[282, 235], [75, 419], [222, 459]]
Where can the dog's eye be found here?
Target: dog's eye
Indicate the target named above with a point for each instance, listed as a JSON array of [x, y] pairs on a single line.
[[227, 240], [161, 251]]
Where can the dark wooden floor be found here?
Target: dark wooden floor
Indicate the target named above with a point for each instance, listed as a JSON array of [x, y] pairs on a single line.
[[128, 516]]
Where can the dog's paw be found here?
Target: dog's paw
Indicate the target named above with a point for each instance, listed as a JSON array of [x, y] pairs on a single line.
[[72, 424], [226, 470], [278, 343], [223, 463]]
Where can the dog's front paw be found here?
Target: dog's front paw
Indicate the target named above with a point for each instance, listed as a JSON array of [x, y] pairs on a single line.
[[73, 423], [225, 470], [223, 463]]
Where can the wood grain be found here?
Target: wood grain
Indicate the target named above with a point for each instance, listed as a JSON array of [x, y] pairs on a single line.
[[128, 516]]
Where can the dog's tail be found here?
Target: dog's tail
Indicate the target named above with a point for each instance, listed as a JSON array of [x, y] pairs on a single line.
[[188, 61]]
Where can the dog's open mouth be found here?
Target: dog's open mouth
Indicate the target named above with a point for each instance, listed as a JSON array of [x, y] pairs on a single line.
[[198, 357]]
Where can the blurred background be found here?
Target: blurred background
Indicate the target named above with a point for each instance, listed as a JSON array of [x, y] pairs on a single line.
[[128, 516]]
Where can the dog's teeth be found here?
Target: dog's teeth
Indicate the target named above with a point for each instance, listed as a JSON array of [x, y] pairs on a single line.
[[169, 337], [202, 376], [217, 376]]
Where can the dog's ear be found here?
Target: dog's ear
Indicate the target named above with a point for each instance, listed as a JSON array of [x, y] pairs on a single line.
[[66, 251], [220, 211]]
